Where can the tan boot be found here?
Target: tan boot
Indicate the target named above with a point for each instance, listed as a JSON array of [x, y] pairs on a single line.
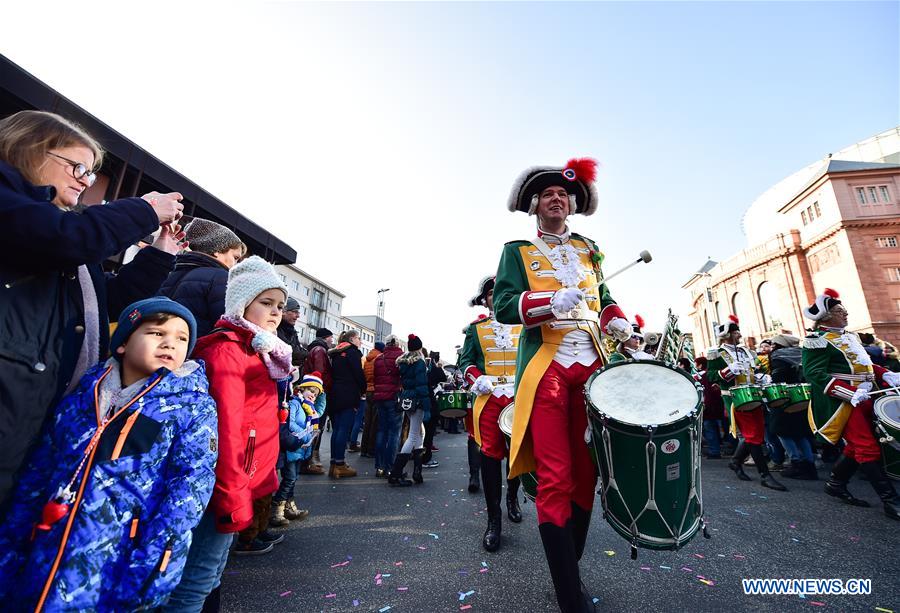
[[278, 519], [293, 513], [341, 471], [312, 469]]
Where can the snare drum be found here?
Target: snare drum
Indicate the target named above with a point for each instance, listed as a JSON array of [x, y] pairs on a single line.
[[645, 430], [454, 404], [799, 395], [529, 480], [776, 394], [746, 397], [887, 427]]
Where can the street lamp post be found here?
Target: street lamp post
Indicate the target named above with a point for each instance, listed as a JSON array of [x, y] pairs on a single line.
[[709, 301], [380, 315]]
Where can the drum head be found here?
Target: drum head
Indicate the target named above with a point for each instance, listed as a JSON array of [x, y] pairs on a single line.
[[506, 420], [887, 409], [642, 393]]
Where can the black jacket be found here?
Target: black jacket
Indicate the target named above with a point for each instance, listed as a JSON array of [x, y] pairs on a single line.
[[785, 367], [41, 307], [288, 334], [348, 381], [198, 282]]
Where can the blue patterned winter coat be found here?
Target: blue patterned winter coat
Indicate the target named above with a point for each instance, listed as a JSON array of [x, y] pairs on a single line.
[[124, 542]]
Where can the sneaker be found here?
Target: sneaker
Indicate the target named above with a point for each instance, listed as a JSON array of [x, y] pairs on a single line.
[[269, 538], [254, 548], [433, 448], [431, 464], [353, 448]]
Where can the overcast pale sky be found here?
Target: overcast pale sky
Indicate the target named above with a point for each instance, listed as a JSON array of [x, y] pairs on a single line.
[[381, 139]]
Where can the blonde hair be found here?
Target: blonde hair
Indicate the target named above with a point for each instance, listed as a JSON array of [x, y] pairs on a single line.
[[27, 136], [346, 335]]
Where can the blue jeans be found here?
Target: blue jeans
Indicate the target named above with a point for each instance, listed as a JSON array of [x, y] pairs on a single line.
[[203, 569], [799, 449], [358, 422], [341, 424], [288, 479], [390, 420], [711, 429]]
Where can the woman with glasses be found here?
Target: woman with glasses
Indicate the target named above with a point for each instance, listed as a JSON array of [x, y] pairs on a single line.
[[55, 298]]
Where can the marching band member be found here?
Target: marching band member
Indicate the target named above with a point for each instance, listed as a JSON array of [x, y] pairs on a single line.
[[842, 377], [488, 361], [552, 285], [631, 349], [732, 364]]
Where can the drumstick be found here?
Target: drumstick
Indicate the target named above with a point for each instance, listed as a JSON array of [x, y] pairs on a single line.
[[644, 257], [887, 389]]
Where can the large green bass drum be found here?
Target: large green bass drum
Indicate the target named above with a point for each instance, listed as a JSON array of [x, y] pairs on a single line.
[[887, 429], [454, 404], [645, 432]]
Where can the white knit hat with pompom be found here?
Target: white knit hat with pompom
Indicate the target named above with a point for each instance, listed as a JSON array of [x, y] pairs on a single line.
[[247, 280]]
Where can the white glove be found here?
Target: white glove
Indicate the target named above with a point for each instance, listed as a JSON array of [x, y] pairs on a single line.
[[620, 329], [892, 378], [862, 393], [483, 385], [566, 299], [762, 379], [738, 368]]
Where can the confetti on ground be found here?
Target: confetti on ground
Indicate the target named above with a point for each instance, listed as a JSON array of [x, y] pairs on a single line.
[[378, 576], [740, 557], [432, 534], [465, 607], [610, 553], [665, 567], [855, 539], [344, 563], [355, 603], [645, 568], [699, 555], [795, 540], [596, 600], [330, 595], [402, 589], [443, 524], [484, 565], [398, 563], [422, 547], [792, 526], [816, 603], [464, 595], [883, 610], [744, 513], [383, 609], [707, 582], [483, 570], [288, 593], [720, 555]]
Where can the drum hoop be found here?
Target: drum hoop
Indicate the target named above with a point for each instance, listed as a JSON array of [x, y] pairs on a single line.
[[879, 411], [587, 386], [612, 423]]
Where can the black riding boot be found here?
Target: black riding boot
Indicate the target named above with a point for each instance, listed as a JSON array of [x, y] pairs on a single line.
[[581, 522], [513, 511], [562, 559], [883, 487], [417, 465], [397, 476], [765, 477], [737, 461], [836, 485], [474, 465], [493, 486]]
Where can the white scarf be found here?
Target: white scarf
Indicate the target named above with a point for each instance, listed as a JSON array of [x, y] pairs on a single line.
[[275, 353]]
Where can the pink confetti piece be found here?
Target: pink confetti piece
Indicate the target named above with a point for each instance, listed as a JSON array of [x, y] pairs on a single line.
[[330, 595], [340, 564], [288, 593], [465, 607], [701, 577], [398, 563], [378, 576], [645, 568], [402, 589], [792, 526], [378, 582], [422, 547], [483, 570], [699, 555], [690, 570], [739, 556], [816, 603]]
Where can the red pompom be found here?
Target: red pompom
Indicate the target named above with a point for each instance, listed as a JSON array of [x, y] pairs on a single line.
[[585, 169], [412, 336], [639, 321], [52, 513], [481, 316], [830, 292], [733, 318]]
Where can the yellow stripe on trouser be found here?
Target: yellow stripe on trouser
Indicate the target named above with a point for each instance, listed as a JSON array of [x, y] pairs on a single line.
[[477, 408], [521, 452], [832, 429]]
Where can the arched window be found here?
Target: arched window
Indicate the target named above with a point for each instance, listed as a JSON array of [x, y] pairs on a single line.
[[718, 312], [768, 302], [735, 304]]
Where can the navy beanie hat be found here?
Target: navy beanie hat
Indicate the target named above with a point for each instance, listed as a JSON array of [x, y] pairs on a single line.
[[379, 346], [133, 316]]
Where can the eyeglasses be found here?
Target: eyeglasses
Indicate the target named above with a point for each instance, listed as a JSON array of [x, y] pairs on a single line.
[[79, 170]]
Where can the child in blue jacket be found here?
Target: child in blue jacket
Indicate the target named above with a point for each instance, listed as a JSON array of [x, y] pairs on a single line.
[[305, 410], [101, 519]]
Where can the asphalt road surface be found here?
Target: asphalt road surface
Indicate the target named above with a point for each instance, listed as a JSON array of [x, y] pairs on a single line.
[[370, 547]]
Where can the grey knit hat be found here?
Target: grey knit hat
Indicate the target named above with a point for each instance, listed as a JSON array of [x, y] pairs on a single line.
[[209, 237]]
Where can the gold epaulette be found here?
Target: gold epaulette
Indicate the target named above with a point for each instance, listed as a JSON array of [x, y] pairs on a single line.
[[814, 342], [712, 354]]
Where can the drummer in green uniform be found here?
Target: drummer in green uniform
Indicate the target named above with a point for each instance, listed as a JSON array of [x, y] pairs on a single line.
[[843, 378], [733, 365], [488, 363], [632, 348]]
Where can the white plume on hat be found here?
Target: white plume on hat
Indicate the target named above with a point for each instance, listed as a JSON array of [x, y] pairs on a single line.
[[247, 280], [825, 301]]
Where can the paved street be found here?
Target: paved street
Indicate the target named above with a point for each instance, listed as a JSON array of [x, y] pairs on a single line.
[[368, 547]]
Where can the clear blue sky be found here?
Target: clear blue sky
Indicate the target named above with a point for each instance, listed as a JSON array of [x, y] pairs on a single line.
[[381, 139]]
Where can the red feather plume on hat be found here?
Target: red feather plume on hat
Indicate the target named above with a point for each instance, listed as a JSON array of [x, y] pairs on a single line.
[[639, 321], [830, 292], [734, 319], [481, 316], [585, 169]]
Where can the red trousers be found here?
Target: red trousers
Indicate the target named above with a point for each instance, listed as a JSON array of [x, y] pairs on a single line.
[[468, 422], [751, 425], [565, 471], [493, 442], [859, 435]]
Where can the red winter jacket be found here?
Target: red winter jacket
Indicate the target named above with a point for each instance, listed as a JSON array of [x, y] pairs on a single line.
[[247, 405], [317, 361], [387, 374]]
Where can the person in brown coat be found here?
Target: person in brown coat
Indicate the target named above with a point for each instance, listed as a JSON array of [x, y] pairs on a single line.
[[370, 421]]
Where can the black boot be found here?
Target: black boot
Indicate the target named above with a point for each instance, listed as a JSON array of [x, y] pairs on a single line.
[[809, 471], [490, 476], [883, 487], [397, 476], [417, 465], [474, 465], [737, 461], [563, 562], [213, 601], [581, 522], [765, 477], [513, 511], [836, 485]]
